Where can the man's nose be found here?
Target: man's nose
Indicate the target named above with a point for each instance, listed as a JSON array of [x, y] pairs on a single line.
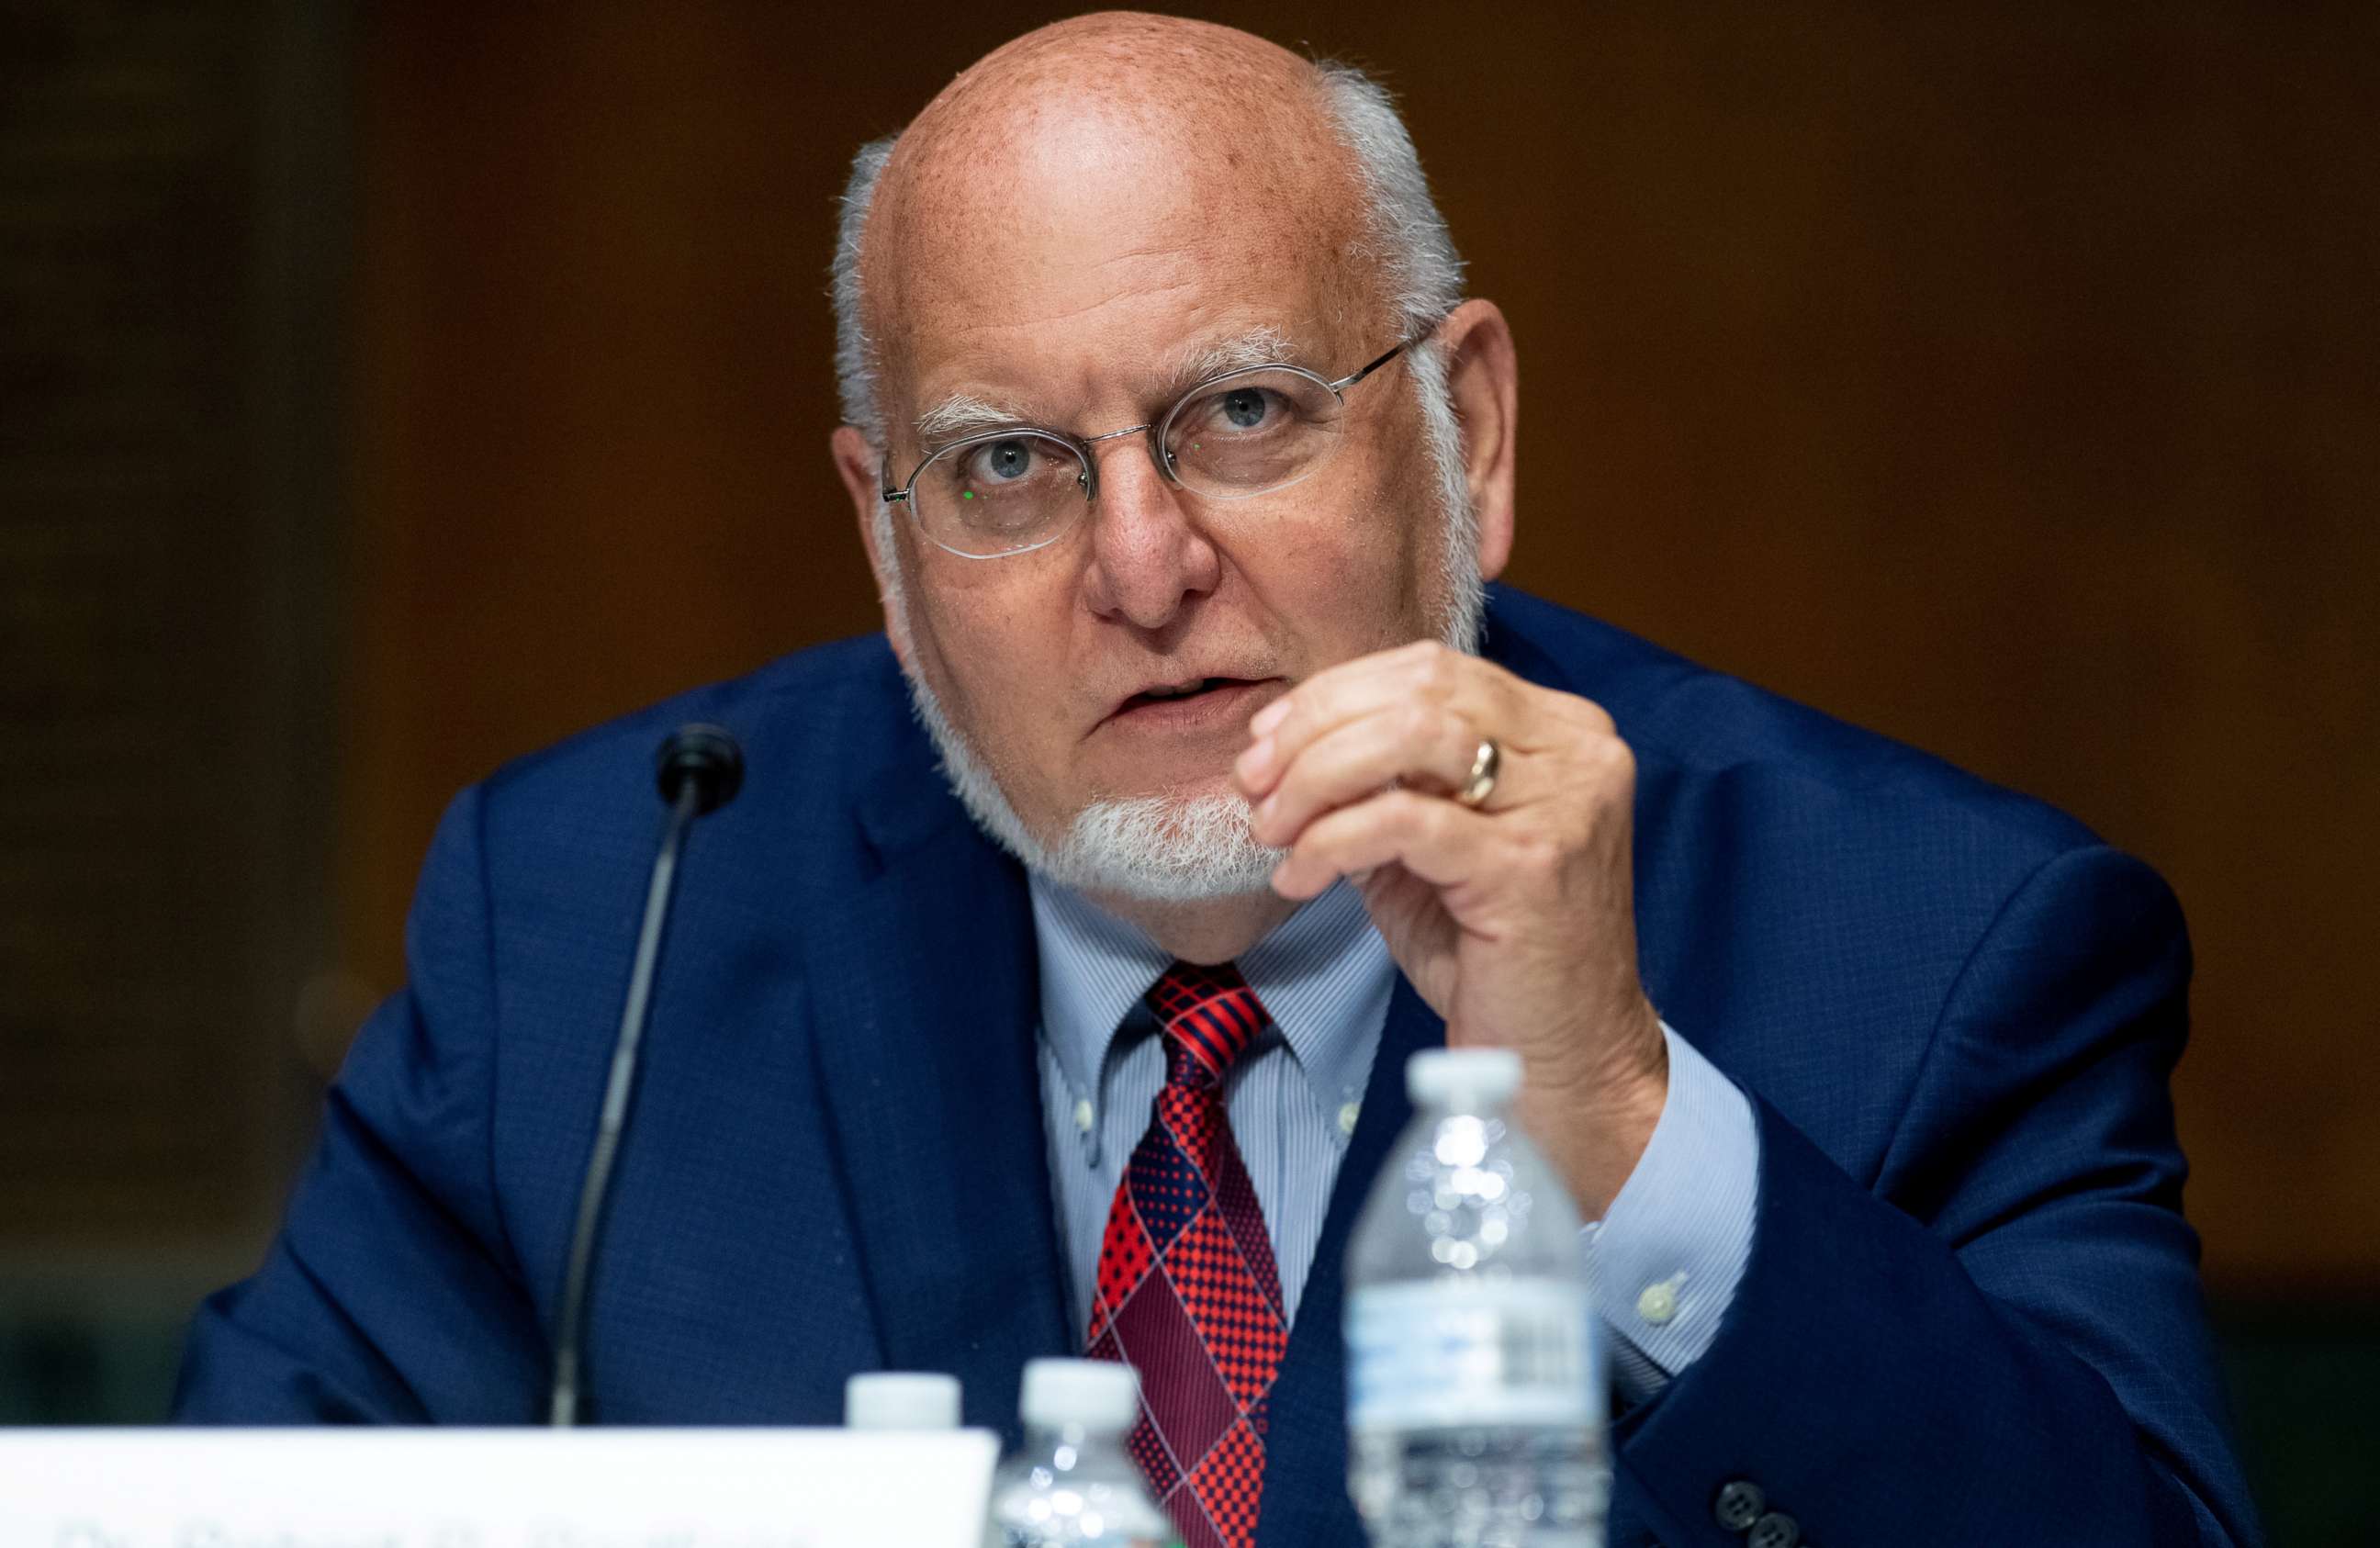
[[1148, 555]]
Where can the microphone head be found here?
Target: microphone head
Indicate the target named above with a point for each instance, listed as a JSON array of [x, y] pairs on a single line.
[[705, 756]]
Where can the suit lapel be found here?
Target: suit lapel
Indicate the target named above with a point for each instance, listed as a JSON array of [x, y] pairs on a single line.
[[927, 1004], [1305, 1503]]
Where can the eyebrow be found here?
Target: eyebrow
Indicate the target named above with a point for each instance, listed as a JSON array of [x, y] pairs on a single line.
[[1265, 345], [963, 413]]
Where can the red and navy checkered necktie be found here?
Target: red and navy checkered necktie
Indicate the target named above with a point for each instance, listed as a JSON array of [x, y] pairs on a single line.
[[1188, 1292]]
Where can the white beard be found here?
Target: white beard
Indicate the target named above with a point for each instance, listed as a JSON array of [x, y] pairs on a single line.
[[1187, 848]]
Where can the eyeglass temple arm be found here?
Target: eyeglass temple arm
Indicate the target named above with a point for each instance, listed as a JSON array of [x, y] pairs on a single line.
[[1346, 382]]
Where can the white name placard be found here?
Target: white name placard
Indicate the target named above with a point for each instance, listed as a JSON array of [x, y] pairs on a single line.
[[493, 1488]]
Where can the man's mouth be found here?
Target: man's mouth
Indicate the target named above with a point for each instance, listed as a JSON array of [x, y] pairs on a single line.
[[1192, 699], [1179, 691]]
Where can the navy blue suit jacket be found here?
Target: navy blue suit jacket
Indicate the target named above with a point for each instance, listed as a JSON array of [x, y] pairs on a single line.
[[1971, 1314]]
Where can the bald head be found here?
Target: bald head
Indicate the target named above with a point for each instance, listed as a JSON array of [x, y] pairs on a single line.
[[1106, 158], [1078, 95], [1153, 75]]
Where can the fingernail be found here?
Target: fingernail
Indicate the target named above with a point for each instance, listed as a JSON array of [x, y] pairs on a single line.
[[1263, 812], [1268, 717], [1256, 761]]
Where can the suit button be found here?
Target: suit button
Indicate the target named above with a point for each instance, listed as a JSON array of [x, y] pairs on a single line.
[[1775, 1530], [1739, 1505]]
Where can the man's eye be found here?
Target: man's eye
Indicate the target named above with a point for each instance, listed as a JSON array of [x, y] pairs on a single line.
[[1239, 410], [1246, 408], [1001, 462]]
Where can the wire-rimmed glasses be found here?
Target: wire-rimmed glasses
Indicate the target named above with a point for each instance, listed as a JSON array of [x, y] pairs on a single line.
[[1016, 488]]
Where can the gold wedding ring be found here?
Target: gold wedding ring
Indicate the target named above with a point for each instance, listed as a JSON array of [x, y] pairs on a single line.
[[1484, 768]]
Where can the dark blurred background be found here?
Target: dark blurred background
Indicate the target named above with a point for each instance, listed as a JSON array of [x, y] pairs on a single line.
[[386, 390]]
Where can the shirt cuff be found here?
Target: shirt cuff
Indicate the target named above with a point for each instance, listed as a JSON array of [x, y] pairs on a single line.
[[1667, 1256]]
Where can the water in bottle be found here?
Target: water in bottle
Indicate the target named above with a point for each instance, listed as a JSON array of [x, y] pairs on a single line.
[[1475, 1371], [1071, 1482]]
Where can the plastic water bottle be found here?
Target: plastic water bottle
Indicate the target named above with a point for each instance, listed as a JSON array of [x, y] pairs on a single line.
[[901, 1400], [1071, 1480], [1476, 1399]]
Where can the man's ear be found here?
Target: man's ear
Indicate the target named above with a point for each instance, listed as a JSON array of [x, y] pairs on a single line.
[[1483, 379], [861, 470]]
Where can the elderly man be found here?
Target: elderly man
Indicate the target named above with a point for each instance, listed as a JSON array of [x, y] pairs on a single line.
[[1181, 460]]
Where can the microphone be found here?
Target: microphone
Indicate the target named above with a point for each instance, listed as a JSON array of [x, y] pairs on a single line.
[[700, 769]]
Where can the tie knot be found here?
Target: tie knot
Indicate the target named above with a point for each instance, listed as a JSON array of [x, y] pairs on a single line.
[[1210, 1015]]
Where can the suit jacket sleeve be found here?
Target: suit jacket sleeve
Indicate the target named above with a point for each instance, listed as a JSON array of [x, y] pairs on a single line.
[[390, 1295], [1998, 1340]]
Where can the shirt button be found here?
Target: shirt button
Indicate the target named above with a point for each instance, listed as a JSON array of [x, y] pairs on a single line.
[[1347, 1115], [1775, 1530], [1658, 1303], [1085, 1117]]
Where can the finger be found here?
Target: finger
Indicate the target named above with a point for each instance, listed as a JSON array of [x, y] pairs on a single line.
[[1436, 840], [1340, 684], [1426, 673], [1372, 664], [1407, 741]]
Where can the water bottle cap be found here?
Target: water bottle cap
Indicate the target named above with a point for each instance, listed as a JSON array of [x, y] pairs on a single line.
[[1462, 1077], [1102, 1395], [901, 1400]]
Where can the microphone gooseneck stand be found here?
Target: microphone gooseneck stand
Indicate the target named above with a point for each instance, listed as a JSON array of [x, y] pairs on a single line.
[[700, 768]]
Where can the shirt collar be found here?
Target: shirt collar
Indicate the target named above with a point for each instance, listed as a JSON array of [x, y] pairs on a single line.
[[1324, 974]]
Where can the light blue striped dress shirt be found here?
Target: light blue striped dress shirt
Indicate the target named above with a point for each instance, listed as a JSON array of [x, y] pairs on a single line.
[[1665, 1259]]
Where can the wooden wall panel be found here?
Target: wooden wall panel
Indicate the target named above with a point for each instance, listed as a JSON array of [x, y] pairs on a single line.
[[163, 552], [2000, 377]]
